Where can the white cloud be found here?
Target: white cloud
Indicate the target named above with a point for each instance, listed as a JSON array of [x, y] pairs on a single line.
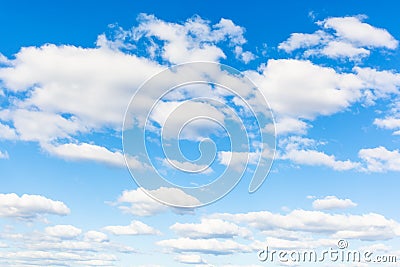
[[380, 159], [172, 116], [332, 202], [84, 151], [300, 151], [4, 155], [301, 89], [383, 82], [341, 37], [68, 92], [194, 40], [187, 166], [135, 228], [81, 83], [68, 88], [303, 151], [95, 236], [190, 259], [303, 40], [388, 123], [63, 231], [339, 49], [245, 56], [6, 132], [47, 258], [360, 33], [369, 226], [238, 160], [210, 228], [286, 125], [32, 125], [60, 245], [206, 246], [141, 204], [29, 207], [318, 158]]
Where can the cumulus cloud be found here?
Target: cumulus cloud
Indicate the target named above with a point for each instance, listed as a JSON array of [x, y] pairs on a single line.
[[135, 228], [30, 207], [194, 40], [332, 202], [84, 151], [390, 123], [341, 37], [95, 236], [68, 89], [369, 226], [137, 202], [380, 159], [299, 91], [60, 245], [210, 228], [361, 33], [63, 231], [301, 151], [6, 132]]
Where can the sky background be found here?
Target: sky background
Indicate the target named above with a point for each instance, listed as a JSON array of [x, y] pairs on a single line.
[[329, 70]]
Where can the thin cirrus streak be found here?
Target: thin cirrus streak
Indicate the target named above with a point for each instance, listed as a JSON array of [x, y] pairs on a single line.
[[201, 128]]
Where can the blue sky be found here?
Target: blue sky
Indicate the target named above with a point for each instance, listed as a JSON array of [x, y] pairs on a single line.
[[329, 72]]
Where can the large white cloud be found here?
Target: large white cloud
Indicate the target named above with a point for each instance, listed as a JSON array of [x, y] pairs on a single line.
[[71, 91], [360, 33], [300, 90]]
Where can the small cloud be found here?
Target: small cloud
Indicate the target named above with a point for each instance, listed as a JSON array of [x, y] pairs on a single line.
[[245, 56], [141, 204], [190, 259], [135, 228], [332, 202], [4, 155], [63, 231]]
